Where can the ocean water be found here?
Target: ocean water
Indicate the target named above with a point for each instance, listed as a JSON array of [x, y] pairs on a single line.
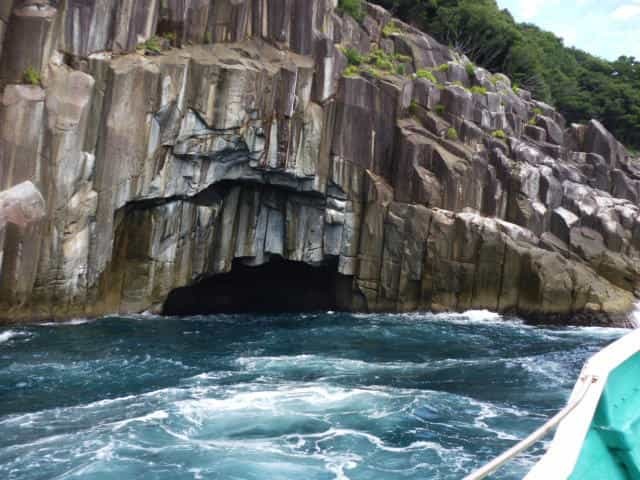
[[296, 397]]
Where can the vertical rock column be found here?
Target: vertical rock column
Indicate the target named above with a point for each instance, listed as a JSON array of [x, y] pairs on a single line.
[[5, 13], [135, 22], [29, 41], [122, 149], [87, 26], [21, 120], [71, 200]]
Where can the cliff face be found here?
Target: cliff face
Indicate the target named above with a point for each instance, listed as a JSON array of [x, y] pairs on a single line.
[[245, 142]]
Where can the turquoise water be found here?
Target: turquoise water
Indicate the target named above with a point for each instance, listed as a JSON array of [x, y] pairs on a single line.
[[327, 396]]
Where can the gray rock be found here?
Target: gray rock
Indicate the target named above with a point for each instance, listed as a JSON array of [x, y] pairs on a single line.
[[553, 130]]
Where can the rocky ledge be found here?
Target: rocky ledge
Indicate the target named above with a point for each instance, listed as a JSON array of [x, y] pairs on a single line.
[[178, 142]]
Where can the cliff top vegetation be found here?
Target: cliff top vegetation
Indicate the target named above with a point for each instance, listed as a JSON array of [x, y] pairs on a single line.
[[580, 85]]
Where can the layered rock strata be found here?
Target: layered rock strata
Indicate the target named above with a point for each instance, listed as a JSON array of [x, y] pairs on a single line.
[[244, 141]]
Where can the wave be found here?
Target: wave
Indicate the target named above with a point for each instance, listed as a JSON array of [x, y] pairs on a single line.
[[287, 397], [73, 321], [476, 317], [336, 366], [9, 334], [149, 417]]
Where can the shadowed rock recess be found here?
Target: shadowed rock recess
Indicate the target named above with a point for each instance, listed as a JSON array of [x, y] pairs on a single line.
[[242, 155]]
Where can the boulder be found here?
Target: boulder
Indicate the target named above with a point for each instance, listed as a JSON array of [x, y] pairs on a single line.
[[21, 205], [554, 132], [457, 101]]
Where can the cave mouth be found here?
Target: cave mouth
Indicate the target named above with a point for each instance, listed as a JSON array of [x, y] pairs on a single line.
[[278, 286]]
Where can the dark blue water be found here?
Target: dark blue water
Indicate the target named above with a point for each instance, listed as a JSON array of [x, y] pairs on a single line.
[[329, 396]]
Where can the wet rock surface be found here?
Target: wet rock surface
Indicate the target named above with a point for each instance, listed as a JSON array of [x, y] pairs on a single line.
[[174, 140]]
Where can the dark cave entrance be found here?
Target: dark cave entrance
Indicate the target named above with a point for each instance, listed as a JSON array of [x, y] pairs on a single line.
[[278, 286]]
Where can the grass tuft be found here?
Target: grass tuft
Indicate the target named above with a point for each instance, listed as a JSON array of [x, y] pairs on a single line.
[[152, 45], [354, 57], [31, 76], [471, 69], [423, 73], [351, 71], [499, 134], [390, 29]]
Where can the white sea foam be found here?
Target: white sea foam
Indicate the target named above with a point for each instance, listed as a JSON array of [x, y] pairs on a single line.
[[374, 440], [549, 366], [9, 334], [283, 398], [150, 417], [197, 473], [338, 468], [600, 332], [488, 412], [73, 321], [482, 317], [337, 366]]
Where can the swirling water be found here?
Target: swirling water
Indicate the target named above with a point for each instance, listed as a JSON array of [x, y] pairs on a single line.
[[326, 396]]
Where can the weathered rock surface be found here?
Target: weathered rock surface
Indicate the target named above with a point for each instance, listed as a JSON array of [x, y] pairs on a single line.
[[245, 142], [21, 205]]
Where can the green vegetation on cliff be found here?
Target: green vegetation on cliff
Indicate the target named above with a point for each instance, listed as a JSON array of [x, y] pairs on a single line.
[[352, 7], [580, 85], [31, 76]]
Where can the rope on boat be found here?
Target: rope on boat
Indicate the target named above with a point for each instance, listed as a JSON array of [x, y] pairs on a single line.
[[539, 434]]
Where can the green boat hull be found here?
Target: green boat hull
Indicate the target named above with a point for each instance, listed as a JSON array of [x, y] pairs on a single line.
[[611, 450]]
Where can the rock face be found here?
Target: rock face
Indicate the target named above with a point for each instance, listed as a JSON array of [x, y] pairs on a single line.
[[244, 143]]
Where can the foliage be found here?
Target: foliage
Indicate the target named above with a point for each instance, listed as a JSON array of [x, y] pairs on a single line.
[[452, 134], [413, 108], [31, 76], [373, 71], [423, 73], [390, 29], [499, 134], [439, 108], [351, 71], [471, 69], [381, 60], [354, 8], [384, 64], [580, 85], [479, 90], [403, 58], [354, 57], [152, 45], [443, 68]]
